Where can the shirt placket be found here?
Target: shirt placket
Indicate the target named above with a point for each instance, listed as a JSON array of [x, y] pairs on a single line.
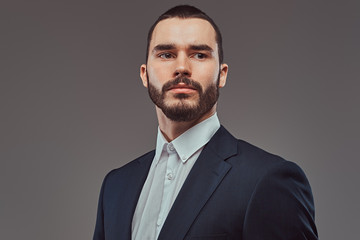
[[169, 179]]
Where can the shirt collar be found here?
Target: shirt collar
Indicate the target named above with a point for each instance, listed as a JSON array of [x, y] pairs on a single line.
[[191, 140]]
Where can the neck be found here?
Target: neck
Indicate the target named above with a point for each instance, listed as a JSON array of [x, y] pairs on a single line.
[[172, 129]]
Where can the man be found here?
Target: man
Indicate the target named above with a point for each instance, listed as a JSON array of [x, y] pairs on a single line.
[[200, 182]]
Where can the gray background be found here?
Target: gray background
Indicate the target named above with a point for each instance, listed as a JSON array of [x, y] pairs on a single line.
[[73, 106]]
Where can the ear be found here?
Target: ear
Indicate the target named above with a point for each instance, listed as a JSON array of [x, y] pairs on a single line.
[[223, 74], [143, 75]]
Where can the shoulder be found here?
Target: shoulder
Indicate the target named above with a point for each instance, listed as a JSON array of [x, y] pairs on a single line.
[[254, 156], [281, 197], [257, 157], [276, 190], [247, 157], [268, 165], [273, 174], [259, 167], [130, 168]]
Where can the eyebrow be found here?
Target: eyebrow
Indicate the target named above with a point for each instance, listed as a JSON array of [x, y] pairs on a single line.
[[201, 47], [163, 47], [197, 47]]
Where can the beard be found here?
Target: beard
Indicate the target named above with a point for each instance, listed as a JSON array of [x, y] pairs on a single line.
[[184, 109]]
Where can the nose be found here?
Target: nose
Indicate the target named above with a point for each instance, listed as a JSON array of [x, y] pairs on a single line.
[[183, 66]]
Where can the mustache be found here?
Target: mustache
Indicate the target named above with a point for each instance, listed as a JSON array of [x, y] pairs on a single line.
[[181, 79]]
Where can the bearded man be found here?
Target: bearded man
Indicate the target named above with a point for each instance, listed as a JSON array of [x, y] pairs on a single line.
[[200, 182]]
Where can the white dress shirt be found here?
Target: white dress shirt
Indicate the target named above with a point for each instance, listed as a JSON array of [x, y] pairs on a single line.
[[170, 167]]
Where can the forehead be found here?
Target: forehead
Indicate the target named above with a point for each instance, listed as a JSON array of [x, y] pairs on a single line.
[[184, 32]]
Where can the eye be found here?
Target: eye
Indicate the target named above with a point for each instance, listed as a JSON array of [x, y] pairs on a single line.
[[200, 56], [166, 55]]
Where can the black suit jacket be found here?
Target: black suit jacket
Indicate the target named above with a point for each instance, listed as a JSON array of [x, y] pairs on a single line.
[[234, 191]]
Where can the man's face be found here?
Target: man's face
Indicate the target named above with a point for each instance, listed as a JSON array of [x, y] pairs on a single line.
[[183, 72]]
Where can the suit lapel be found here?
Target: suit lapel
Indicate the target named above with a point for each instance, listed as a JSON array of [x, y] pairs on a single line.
[[203, 179], [129, 201]]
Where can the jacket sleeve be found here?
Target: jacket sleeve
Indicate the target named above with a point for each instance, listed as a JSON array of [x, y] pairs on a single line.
[[281, 206], [99, 233]]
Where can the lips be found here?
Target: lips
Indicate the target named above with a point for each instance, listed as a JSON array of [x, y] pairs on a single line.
[[182, 88], [183, 85]]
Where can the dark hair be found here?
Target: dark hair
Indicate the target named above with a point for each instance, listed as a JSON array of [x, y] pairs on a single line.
[[186, 11]]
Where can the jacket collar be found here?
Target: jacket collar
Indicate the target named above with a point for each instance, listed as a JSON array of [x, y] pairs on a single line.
[[206, 174]]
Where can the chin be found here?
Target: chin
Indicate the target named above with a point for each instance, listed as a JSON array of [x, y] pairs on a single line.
[[185, 102]]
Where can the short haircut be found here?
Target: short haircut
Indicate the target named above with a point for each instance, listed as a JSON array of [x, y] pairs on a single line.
[[184, 12]]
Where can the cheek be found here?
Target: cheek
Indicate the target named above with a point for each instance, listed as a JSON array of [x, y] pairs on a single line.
[[157, 76], [208, 74]]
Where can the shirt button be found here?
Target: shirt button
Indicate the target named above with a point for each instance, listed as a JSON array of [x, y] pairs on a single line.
[[170, 176], [184, 158], [171, 147]]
